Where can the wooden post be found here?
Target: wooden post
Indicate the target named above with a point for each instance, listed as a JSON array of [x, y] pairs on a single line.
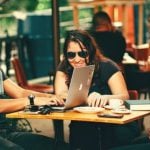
[[140, 23], [55, 18]]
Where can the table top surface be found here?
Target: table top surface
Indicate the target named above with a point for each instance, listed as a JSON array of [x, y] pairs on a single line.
[[87, 117]]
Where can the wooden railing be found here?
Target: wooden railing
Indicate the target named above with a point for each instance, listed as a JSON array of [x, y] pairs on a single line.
[[105, 3]]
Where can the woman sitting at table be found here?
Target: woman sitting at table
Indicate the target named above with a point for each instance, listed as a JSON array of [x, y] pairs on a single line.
[[111, 41], [80, 50], [18, 101]]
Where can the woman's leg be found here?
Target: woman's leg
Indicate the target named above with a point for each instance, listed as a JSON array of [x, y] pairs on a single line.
[[31, 141], [83, 136], [125, 134], [118, 135], [8, 145]]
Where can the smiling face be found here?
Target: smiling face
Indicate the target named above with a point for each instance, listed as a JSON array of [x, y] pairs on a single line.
[[77, 55], [79, 50]]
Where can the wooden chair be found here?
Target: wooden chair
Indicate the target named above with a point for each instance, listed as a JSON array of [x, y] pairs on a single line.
[[143, 138], [133, 94], [22, 80]]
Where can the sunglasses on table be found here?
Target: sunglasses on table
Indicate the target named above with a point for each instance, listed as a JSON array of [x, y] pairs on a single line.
[[72, 55]]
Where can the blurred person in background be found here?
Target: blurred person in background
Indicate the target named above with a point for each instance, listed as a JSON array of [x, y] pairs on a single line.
[[111, 42]]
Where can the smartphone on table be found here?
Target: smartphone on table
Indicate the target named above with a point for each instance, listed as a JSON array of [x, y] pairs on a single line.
[[109, 115]]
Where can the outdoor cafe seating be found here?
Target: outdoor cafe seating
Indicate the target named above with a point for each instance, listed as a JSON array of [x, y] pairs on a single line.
[[137, 70], [22, 80]]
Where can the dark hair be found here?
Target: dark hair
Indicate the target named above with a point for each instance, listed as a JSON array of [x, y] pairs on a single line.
[[81, 36], [101, 18]]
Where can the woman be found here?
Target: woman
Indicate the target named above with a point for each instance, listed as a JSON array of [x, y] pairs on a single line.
[[19, 100], [80, 50], [110, 40]]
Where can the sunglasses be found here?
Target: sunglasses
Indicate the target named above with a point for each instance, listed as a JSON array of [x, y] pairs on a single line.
[[72, 55]]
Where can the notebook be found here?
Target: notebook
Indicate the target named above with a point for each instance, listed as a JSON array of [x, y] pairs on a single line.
[[79, 87], [138, 104]]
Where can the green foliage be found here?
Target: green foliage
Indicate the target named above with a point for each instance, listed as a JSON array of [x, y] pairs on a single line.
[[28, 5], [85, 13], [66, 15], [63, 2], [43, 4], [15, 5]]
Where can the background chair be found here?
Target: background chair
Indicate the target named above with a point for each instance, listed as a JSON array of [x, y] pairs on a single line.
[[143, 138], [133, 94], [22, 80]]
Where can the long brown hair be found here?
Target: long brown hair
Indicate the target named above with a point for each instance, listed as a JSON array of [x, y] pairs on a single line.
[[81, 36]]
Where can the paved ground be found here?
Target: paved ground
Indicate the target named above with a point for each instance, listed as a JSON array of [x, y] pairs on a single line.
[[45, 127]]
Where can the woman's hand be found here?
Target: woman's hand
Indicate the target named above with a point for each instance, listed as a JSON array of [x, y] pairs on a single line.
[[57, 100], [63, 95], [97, 100], [53, 100]]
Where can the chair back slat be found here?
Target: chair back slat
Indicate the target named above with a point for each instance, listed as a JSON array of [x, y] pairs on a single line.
[[19, 72], [133, 94]]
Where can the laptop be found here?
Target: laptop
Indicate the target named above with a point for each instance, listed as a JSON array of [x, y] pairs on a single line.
[[79, 87]]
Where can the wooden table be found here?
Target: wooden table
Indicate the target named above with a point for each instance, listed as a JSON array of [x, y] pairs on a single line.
[[72, 115], [141, 66]]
